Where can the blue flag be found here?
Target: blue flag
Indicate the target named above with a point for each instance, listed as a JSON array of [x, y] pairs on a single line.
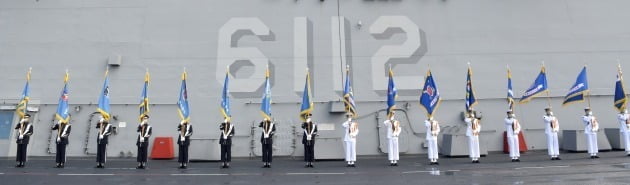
[[539, 86], [265, 107], [578, 90], [348, 95], [103, 100], [144, 97], [430, 98], [621, 99], [470, 93], [392, 93], [63, 106], [225, 97], [182, 103], [23, 104], [510, 92], [307, 102]]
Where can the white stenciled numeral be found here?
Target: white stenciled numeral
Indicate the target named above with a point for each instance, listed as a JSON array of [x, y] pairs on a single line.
[[228, 53]]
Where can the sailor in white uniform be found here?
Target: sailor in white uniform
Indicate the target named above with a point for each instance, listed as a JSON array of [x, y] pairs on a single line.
[[433, 129], [350, 139], [624, 128], [513, 128], [552, 126], [590, 129], [393, 131], [472, 132]]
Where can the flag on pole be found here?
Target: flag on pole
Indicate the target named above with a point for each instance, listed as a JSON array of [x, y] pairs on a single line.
[[225, 96], [23, 104], [63, 106], [470, 93], [182, 103], [392, 93], [348, 95], [307, 102], [510, 92], [578, 90], [144, 97], [103, 100], [621, 99], [430, 98], [265, 107], [539, 86]]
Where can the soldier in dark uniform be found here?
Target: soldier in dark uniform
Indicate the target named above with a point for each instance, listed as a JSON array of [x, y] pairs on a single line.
[[266, 139], [63, 131], [185, 131], [144, 134], [25, 130], [227, 131], [308, 140], [104, 130]]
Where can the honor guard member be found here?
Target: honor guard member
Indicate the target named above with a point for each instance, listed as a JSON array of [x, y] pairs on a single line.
[[624, 128], [352, 131], [308, 140], [227, 132], [104, 130], [266, 139], [185, 131], [552, 126], [144, 134], [433, 129], [472, 132], [63, 131], [393, 131], [25, 130], [512, 129], [591, 126]]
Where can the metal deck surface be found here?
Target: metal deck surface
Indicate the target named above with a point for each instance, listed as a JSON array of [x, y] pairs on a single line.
[[535, 168]]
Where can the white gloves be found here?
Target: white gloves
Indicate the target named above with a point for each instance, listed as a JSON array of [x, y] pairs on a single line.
[[21, 137], [100, 136], [142, 139], [58, 139], [182, 138]]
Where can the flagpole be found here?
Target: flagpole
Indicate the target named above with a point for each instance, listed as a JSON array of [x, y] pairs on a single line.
[[588, 94], [548, 96]]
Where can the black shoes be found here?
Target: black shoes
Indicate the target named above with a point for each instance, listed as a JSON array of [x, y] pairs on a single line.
[[516, 160], [434, 163], [475, 161], [594, 157], [555, 158], [393, 164]]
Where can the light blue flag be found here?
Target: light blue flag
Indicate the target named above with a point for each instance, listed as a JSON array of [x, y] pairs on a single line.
[[578, 90], [225, 97], [103, 100], [470, 92], [430, 98], [265, 107], [348, 95], [144, 97], [307, 103], [63, 114], [539, 86], [182, 103], [392, 93], [621, 100], [23, 104]]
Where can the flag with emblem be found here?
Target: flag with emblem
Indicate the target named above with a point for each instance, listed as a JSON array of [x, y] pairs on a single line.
[[23, 104], [510, 92], [430, 98], [225, 96], [144, 97], [579, 89], [348, 95], [621, 100], [392, 93], [182, 103], [63, 106], [307, 102], [103, 100], [470, 92], [539, 86], [265, 107]]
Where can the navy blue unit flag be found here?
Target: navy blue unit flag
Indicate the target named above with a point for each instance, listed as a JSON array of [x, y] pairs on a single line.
[[430, 98], [539, 86], [470, 93], [348, 95], [621, 99], [579, 90], [392, 93]]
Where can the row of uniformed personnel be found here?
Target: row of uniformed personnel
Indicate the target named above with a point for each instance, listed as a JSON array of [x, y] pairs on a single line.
[[351, 128]]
